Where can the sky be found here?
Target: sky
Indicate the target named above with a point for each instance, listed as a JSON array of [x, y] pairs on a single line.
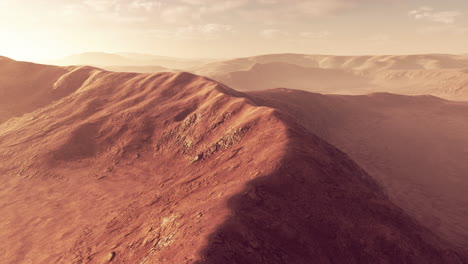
[[51, 29]]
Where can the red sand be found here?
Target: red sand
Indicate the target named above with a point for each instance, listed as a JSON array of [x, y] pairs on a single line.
[[176, 168], [416, 148]]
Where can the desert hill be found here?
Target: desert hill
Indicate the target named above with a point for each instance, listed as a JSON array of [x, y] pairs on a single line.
[[177, 168], [364, 63], [168, 62], [436, 74], [139, 69], [280, 74], [99, 58], [43, 85], [416, 147], [441, 75]]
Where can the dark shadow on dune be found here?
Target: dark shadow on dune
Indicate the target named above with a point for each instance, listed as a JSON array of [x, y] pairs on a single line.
[[320, 207], [81, 144]]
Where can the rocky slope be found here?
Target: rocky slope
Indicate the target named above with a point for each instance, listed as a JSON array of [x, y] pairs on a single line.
[[177, 168]]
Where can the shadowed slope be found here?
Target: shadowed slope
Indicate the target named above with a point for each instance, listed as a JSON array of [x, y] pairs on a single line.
[[416, 147], [139, 168], [319, 207]]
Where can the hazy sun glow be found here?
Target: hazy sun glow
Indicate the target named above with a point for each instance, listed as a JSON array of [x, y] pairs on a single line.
[[49, 29]]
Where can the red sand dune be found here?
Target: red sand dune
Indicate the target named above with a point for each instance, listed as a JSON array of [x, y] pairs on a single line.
[[176, 168], [416, 148]]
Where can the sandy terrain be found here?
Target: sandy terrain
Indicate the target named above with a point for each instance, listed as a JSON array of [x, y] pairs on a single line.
[[43, 85], [416, 148], [440, 75], [177, 168]]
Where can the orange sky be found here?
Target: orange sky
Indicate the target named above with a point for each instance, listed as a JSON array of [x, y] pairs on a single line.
[[51, 29]]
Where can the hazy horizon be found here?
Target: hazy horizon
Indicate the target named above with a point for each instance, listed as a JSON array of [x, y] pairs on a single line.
[[54, 29], [59, 59], [234, 131]]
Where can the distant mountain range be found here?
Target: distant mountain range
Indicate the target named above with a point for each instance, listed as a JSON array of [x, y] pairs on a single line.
[[119, 167], [440, 75], [102, 59]]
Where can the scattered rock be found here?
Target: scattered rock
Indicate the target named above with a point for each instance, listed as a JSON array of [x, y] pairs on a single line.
[[196, 158], [110, 257]]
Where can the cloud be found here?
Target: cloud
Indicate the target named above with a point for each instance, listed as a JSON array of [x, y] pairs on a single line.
[[266, 11], [122, 5], [203, 31], [216, 5], [429, 13], [215, 28], [103, 5], [272, 33], [380, 39], [314, 7], [274, 12], [195, 2], [222, 6], [321, 35], [321, 7], [444, 29], [179, 14], [147, 5], [72, 10], [187, 12], [268, 2]]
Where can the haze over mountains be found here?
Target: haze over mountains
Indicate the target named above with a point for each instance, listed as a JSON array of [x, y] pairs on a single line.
[[135, 61], [125, 167], [415, 147], [441, 75], [436, 74], [233, 132]]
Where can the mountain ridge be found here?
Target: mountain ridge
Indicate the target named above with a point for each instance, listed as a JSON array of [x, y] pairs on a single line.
[[177, 168], [104, 60], [440, 75], [414, 146]]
